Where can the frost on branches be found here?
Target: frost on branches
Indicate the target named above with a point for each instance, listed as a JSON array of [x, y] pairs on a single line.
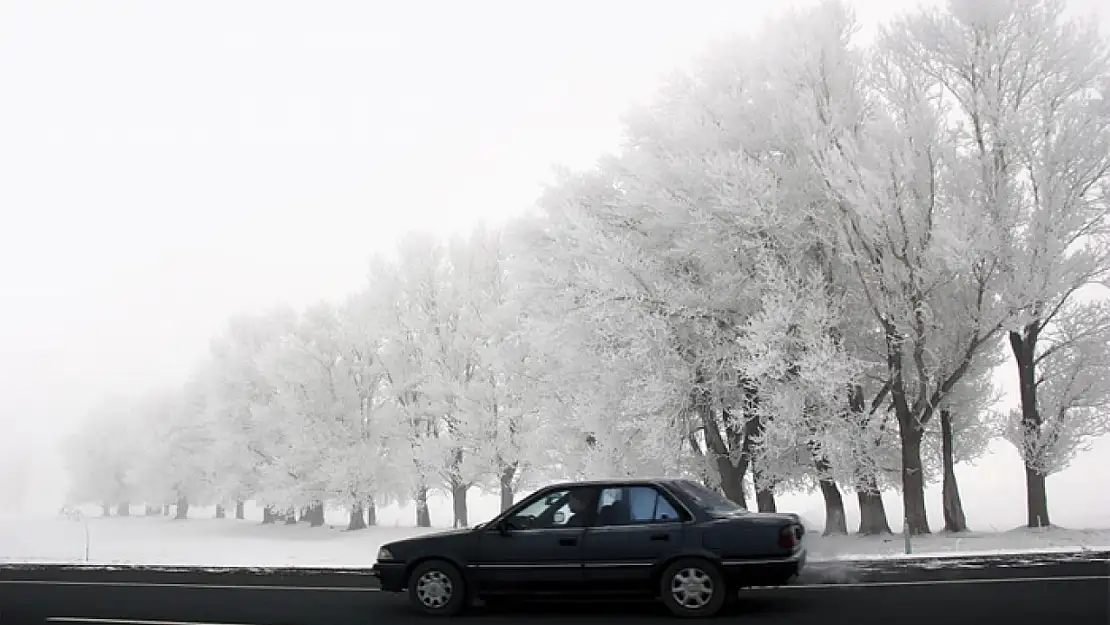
[[1030, 111], [1073, 390], [908, 229], [692, 264], [454, 366], [800, 273], [100, 457]]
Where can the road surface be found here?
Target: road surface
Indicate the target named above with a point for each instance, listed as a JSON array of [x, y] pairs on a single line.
[[1043, 589]]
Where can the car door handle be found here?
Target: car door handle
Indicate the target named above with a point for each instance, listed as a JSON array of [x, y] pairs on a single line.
[[568, 542], [660, 536]]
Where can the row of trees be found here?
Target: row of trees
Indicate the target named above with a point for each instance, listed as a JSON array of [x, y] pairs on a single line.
[[802, 271]]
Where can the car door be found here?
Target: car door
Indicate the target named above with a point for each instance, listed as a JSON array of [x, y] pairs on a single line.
[[635, 528], [542, 556]]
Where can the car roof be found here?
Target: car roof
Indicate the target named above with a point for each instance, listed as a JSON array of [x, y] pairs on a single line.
[[646, 481]]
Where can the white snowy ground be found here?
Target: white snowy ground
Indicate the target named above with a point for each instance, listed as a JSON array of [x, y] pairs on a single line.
[[226, 542]]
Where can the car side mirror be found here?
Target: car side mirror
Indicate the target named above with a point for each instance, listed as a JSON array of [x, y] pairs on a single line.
[[503, 527]]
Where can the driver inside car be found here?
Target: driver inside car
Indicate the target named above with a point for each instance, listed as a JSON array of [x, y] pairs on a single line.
[[578, 502]]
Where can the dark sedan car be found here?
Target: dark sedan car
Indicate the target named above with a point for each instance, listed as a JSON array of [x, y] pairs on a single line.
[[670, 539]]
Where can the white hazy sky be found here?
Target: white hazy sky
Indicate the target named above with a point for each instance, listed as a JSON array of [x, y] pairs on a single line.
[[164, 164]]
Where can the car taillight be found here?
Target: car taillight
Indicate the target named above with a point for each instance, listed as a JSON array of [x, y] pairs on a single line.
[[788, 539]]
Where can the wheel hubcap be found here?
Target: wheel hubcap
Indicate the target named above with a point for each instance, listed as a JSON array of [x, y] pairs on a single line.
[[692, 588], [434, 589]]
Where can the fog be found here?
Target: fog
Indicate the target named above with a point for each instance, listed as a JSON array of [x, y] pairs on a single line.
[[164, 165]]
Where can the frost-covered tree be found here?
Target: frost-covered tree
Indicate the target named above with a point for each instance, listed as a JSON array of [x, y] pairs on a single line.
[[496, 396], [602, 345], [364, 475], [666, 254], [303, 410], [16, 463], [965, 425], [1029, 92], [1073, 396], [453, 360], [102, 455], [909, 227], [243, 440], [863, 448], [403, 297], [178, 465]]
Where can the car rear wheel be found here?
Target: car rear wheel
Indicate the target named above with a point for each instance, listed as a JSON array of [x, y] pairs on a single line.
[[693, 588], [437, 588]]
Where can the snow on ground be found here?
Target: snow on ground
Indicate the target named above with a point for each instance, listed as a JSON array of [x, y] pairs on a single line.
[[192, 542], [226, 542], [1019, 540]]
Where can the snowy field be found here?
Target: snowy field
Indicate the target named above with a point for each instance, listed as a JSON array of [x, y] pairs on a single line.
[[226, 542]]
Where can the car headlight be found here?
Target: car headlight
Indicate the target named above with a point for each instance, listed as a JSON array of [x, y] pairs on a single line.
[[384, 554]]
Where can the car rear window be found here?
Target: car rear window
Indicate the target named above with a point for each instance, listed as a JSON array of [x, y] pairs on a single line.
[[709, 500]]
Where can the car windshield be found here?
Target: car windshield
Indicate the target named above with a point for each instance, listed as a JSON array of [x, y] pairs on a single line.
[[709, 500]]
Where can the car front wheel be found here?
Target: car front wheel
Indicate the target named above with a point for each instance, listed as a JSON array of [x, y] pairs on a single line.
[[436, 588], [693, 588]]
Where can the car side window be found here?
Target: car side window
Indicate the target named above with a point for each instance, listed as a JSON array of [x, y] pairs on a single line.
[[634, 505], [553, 510]]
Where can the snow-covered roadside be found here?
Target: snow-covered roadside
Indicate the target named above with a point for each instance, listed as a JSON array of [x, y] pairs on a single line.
[[225, 543], [939, 545]]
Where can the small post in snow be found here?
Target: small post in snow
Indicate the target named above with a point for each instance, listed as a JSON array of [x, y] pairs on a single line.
[[906, 533], [77, 515]]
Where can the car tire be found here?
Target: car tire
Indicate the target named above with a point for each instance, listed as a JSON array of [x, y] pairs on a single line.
[[693, 588], [437, 588]]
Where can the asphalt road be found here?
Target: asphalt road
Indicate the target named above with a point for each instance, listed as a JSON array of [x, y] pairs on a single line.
[[1042, 589]]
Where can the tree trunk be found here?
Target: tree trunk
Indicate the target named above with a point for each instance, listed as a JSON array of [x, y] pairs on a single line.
[[182, 508], [872, 511], [105, 510], [458, 504], [954, 518], [423, 515], [913, 481], [221, 513], [1037, 497], [731, 475], [910, 430], [507, 474], [123, 509], [357, 520], [746, 440], [732, 480], [835, 520], [268, 516], [1024, 347], [371, 511], [240, 514], [315, 514], [765, 499], [764, 490]]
